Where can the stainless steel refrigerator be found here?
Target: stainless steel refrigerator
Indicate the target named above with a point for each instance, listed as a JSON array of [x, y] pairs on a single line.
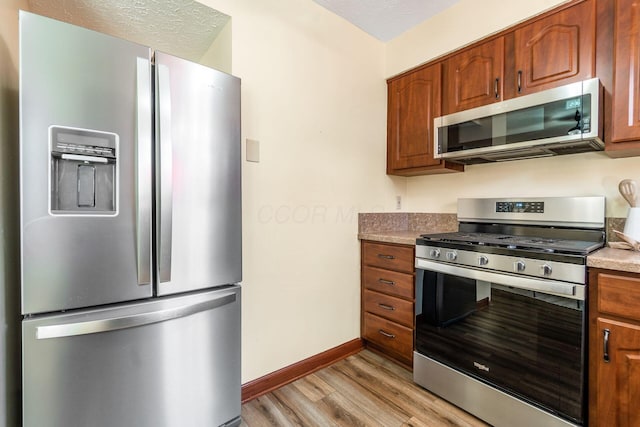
[[130, 233]]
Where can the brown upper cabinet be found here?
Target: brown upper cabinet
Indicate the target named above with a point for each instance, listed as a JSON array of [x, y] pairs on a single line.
[[414, 100], [622, 130], [474, 77], [555, 50], [548, 52]]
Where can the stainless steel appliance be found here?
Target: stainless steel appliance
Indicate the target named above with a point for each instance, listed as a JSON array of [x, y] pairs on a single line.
[[500, 309], [563, 120], [130, 233]]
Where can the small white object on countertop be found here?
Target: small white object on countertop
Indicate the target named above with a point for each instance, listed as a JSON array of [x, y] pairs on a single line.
[[632, 225]]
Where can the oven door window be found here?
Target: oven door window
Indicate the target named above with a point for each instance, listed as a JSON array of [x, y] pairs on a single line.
[[525, 343]]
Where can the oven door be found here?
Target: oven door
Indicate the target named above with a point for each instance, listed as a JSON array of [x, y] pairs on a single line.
[[523, 336]]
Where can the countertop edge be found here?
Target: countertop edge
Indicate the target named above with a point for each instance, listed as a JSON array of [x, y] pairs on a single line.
[[398, 237], [615, 259]]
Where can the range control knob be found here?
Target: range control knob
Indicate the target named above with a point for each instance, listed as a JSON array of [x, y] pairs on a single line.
[[519, 266], [483, 260], [451, 256], [545, 269], [434, 253]]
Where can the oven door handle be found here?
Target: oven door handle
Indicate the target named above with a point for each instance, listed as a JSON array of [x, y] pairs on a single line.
[[569, 290]]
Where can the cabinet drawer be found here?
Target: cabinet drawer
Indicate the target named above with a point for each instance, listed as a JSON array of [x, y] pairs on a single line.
[[388, 282], [399, 258], [392, 308], [390, 335], [619, 295]]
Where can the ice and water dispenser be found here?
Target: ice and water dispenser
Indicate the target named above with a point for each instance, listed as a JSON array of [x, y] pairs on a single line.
[[84, 172]]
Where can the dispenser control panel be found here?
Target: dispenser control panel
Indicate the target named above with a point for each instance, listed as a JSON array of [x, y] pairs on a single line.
[[88, 150]]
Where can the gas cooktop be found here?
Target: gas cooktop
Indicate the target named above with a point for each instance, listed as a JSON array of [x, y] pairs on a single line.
[[535, 243]]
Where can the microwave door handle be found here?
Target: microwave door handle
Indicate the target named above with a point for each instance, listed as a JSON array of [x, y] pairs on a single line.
[[165, 180], [143, 170], [529, 283]]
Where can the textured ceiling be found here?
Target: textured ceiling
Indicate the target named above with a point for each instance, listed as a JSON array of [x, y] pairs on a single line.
[[183, 28], [386, 19]]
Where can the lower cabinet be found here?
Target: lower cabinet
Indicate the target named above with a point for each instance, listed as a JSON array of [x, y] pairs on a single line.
[[388, 299], [614, 349]]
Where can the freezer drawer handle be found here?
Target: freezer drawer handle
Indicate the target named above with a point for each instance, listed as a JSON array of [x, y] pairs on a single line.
[[125, 322]]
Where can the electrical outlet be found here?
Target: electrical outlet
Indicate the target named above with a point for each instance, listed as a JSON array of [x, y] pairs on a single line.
[[398, 203]]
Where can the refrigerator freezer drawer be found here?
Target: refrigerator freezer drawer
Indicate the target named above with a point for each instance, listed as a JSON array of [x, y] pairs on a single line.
[[172, 362]]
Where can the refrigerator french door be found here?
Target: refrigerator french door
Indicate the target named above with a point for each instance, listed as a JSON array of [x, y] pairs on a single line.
[[130, 213]]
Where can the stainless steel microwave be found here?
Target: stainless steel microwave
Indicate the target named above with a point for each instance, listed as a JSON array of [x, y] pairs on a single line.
[[563, 120]]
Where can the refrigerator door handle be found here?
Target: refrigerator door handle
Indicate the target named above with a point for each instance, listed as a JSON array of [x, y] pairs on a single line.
[[132, 321], [165, 180], [143, 170]]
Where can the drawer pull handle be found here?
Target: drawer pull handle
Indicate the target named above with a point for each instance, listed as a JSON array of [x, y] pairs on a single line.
[[606, 345], [386, 307], [386, 256], [386, 334], [387, 282]]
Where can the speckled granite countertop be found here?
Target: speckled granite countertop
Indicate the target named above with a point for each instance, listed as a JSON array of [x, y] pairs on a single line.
[[403, 227], [615, 259]]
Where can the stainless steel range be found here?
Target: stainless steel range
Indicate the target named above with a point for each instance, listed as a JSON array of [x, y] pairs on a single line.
[[500, 309]]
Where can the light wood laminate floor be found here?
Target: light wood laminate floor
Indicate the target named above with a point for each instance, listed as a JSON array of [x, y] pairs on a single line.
[[362, 390]]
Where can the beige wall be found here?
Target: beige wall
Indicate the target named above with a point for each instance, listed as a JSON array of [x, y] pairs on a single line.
[[9, 274], [313, 95], [573, 175], [584, 174], [218, 56], [460, 25]]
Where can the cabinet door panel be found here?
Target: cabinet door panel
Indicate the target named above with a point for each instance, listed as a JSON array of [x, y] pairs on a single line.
[[619, 295], [391, 257], [388, 282], [618, 381], [414, 101], [473, 77], [389, 335], [626, 92], [391, 308], [555, 50]]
